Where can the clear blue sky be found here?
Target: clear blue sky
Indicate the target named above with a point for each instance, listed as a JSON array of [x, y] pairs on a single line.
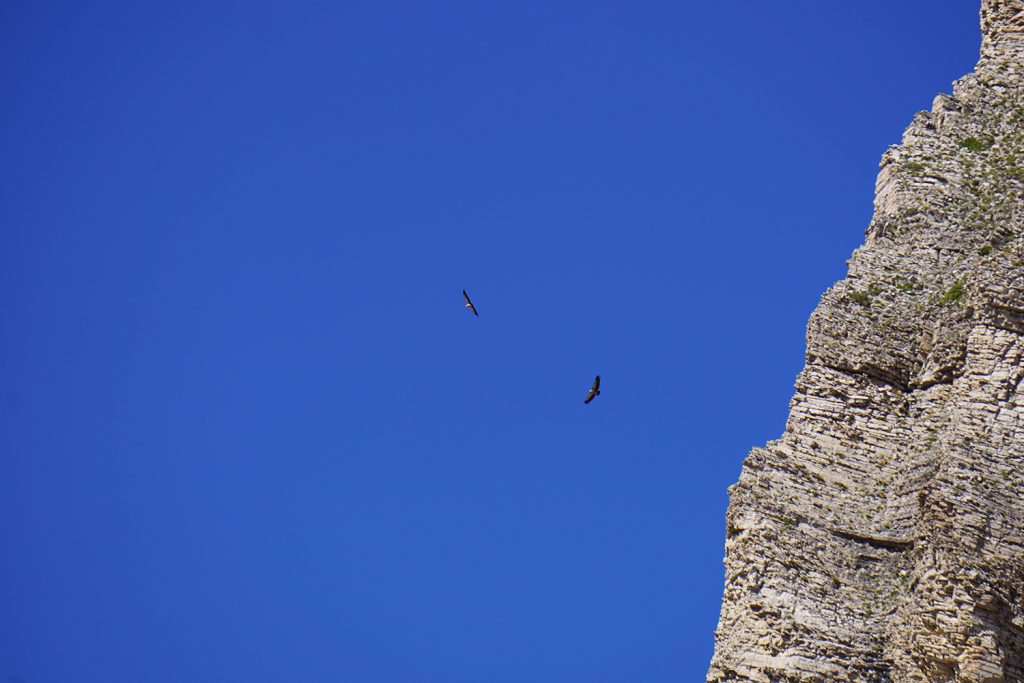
[[248, 432]]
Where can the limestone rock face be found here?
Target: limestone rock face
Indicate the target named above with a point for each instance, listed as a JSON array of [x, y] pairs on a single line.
[[881, 538]]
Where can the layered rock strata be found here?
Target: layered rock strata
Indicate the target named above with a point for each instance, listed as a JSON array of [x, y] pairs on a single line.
[[881, 538]]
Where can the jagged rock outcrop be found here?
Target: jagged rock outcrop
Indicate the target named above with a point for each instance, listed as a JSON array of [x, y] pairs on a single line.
[[882, 537]]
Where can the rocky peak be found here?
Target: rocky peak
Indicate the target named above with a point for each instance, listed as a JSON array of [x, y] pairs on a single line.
[[1002, 30], [881, 537]]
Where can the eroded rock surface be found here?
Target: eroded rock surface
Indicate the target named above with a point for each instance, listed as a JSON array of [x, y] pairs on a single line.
[[882, 537]]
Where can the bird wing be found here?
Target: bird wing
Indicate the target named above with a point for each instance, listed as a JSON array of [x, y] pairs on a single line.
[[597, 384], [470, 303]]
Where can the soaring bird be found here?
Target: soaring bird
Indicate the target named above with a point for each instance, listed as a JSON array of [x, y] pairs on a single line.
[[469, 304], [594, 390]]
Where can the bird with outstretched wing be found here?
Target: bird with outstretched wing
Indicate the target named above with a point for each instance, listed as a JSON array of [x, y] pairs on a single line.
[[469, 304], [594, 390]]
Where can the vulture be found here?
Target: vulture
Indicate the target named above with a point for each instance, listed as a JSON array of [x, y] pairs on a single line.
[[469, 304], [594, 390]]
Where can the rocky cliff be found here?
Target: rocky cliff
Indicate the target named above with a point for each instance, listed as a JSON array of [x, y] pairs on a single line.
[[881, 538]]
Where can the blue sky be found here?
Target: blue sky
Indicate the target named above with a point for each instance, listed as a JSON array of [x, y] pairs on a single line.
[[249, 432]]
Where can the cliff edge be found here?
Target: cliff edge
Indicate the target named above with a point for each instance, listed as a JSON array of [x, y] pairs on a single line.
[[881, 538]]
